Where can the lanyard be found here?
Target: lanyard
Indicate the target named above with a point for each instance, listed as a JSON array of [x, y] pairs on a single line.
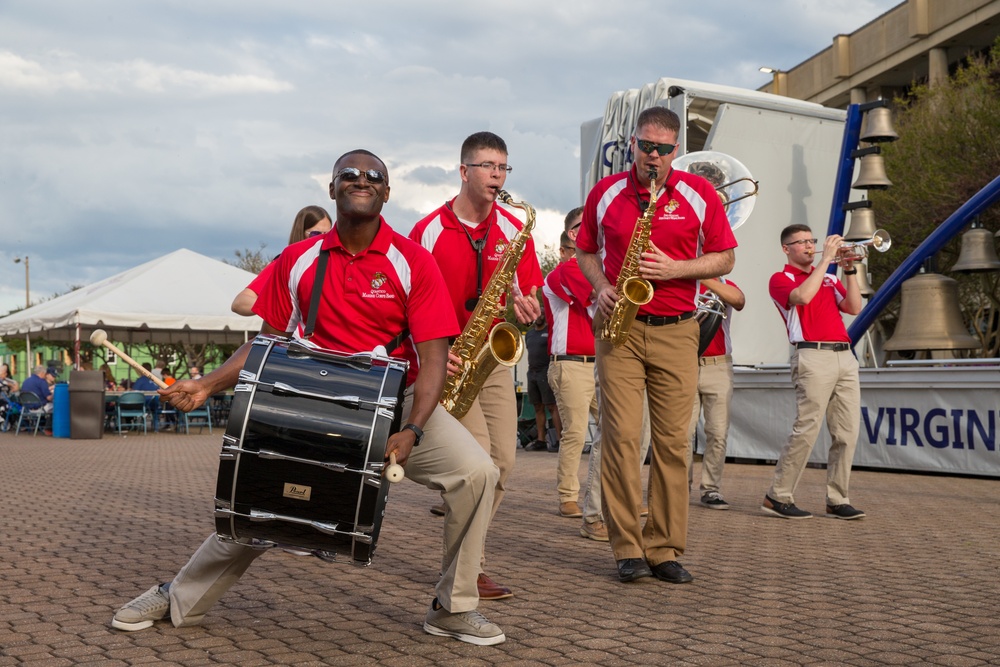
[[477, 245]]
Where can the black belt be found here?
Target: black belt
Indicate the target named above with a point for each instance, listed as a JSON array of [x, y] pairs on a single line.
[[836, 347], [572, 357], [659, 321]]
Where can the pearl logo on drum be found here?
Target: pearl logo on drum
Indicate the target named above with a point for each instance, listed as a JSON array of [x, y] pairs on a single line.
[[297, 491]]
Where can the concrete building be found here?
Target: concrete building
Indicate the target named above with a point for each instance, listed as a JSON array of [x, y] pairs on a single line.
[[918, 41]]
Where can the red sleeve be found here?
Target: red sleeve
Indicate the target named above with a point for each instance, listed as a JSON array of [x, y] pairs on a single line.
[[780, 288], [429, 311], [257, 284], [586, 237], [529, 273], [576, 283]]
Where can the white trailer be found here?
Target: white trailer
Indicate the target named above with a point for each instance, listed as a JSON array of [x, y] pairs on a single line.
[[942, 419]]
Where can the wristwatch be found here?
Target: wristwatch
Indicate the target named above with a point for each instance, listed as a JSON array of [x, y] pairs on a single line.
[[417, 431]]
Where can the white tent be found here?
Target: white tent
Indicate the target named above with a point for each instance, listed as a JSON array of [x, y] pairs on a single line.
[[180, 297]]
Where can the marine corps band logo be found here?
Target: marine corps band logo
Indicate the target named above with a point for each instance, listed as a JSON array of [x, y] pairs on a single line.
[[378, 280], [500, 246], [671, 206]]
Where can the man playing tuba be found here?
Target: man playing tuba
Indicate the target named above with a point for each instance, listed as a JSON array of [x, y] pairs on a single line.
[[689, 239]]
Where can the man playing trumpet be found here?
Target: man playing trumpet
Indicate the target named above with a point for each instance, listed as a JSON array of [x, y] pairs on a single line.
[[824, 370]]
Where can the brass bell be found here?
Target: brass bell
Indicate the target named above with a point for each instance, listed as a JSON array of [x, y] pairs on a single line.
[[872, 173], [978, 252], [862, 225], [864, 285], [878, 126], [929, 317]]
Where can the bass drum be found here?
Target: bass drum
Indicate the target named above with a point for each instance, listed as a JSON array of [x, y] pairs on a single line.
[[303, 454]]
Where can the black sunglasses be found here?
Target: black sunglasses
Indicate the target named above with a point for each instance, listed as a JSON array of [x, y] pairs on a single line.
[[648, 147], [351, 174]]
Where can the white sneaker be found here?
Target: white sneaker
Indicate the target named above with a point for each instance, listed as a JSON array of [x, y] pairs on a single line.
[[465, 626], [140, 613]]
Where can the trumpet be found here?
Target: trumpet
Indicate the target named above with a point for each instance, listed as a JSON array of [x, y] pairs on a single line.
[[855, 251]]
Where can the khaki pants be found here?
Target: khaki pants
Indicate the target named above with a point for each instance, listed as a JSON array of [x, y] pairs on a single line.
[[447, 460], [826, 383], [576, 399], [715, 394], [592, 510], [492, 421], [663, 361]]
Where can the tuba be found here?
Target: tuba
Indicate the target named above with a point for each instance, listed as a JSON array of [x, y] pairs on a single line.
[[633, 290], [737, 190], [479, 348]]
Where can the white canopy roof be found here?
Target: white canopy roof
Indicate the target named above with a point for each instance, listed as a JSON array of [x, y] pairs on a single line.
[[182, 296]]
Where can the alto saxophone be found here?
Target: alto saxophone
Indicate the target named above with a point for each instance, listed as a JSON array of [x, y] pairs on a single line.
[[480, 354], [633, 290]]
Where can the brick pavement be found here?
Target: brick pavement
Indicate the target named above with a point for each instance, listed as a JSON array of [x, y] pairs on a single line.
[[87, 525]]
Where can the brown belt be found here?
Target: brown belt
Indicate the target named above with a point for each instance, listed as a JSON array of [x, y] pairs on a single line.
[[715, 361]]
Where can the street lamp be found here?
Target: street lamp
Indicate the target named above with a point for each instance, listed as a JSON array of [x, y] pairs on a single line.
[[779, 79], [27, 280], [27, 304]]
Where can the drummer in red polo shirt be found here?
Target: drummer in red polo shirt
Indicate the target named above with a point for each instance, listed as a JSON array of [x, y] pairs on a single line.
[[377, 286], [690, 240], [824, 371]]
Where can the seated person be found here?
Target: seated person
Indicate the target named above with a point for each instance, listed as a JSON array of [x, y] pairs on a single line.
[[38, 384], [144, 384]]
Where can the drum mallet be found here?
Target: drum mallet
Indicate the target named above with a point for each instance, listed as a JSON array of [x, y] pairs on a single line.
[[394, 472], [100, 337]]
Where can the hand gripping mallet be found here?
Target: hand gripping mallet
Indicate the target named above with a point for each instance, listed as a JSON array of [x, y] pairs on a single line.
[[100, 337], [394, 472]]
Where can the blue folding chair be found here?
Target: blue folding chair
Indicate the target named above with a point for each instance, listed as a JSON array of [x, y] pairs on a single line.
[[32, 412], [130, 411]]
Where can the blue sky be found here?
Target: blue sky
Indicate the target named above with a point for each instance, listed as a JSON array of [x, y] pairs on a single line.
[[132, 129]]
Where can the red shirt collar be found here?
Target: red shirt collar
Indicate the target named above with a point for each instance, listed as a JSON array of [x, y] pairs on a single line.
[[380, 244]]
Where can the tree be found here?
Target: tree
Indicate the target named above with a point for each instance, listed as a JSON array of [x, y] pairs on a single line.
[[253, 261], [948, 150]]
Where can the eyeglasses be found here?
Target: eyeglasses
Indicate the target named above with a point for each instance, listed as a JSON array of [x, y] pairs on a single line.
[[648, 147], [352, 174], [313, 233], [803, 242], [491, 167]]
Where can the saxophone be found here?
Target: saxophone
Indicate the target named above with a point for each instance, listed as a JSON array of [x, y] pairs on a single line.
[[633, 290], [480, 354]]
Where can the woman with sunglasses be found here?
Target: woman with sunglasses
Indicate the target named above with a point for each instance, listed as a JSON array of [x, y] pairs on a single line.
[[309, 222]]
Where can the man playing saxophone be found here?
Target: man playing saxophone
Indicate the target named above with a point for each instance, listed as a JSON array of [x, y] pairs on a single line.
[[689, 239], [469, 237]]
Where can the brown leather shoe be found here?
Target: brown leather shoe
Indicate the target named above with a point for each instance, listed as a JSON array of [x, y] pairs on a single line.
[[595, 531], [439, 510], [570, 510], [491, 590]]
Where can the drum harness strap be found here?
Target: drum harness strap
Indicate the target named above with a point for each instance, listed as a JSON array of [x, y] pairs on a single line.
[[324, 255]]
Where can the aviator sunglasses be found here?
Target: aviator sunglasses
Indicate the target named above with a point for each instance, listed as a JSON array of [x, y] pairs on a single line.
[[648, 147], [352, 174]]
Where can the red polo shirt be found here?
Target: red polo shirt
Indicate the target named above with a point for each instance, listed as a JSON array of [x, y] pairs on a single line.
[[367, 299], [818, 321], [257, 284], [443, 234], [689, 221], [569, 310]]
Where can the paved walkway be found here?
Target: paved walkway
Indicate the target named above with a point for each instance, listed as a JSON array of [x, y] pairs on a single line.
[[87, 525]]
